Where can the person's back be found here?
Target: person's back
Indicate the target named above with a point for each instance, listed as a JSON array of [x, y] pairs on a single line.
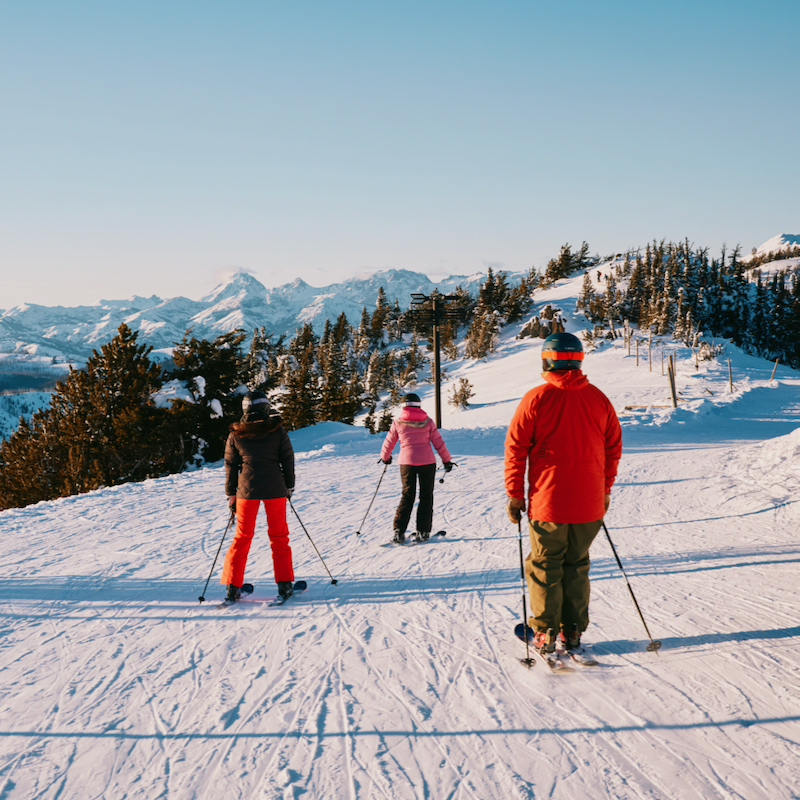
[[416, 432], [259, 470], [563, 428], [261, 452], [566, 437]]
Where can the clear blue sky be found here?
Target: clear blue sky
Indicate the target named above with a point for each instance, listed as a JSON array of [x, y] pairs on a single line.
[[145, 147]]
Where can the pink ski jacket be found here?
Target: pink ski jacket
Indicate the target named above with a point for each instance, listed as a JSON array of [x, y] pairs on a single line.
[[417, 432]]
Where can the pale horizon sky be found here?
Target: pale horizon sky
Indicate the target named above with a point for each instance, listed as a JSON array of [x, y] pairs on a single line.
[[146, 148]]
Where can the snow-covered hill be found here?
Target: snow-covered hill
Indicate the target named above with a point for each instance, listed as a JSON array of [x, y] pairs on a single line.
[[239, 302], [403, 680], [782, 241]]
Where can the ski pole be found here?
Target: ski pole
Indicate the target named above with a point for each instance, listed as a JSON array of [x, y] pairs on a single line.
[[202, 597], [358, 532], [654, 645], [333, 580], [441, 480], [527, 661]]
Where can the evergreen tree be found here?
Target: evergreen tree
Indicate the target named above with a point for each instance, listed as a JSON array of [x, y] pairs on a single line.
[[462, 392], [481, 338], [213, 371], [362, 337], [100, 429], [340, 388], [369, 420], [298, 403], [260, 368], [386, 419], [380, 317]]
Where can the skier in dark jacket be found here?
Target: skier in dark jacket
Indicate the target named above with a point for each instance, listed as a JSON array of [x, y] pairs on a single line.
[[259, 468]]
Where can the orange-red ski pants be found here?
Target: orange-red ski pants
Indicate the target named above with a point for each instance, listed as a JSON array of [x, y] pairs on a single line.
[[278, 530]]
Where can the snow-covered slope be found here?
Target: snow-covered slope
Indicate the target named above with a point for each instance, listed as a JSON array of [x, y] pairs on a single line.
[[239, 302], [777, 243], [403, 680]]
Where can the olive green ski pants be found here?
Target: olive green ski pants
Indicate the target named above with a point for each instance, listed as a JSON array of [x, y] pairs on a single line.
[[557, 571]]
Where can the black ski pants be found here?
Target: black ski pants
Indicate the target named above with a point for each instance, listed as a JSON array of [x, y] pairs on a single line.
[[409, 475]]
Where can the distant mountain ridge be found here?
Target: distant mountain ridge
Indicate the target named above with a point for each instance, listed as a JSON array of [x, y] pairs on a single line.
[[782, 241], [71, 333]]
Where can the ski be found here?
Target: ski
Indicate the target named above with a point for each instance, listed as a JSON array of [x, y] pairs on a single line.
[[299, 586], [551, 660], [411, 541], [246, 589], [581, 656]]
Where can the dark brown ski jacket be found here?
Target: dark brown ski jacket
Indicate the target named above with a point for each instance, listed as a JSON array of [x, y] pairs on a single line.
[[259, 460]]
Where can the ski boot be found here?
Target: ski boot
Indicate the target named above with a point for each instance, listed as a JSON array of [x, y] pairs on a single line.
[[570, 638], [399, 537], [544, 642], [422, 536], [234, 593], [285, 589]]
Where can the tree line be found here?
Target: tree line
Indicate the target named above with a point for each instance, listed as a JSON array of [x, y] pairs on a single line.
[[110, 422], [677, 289]]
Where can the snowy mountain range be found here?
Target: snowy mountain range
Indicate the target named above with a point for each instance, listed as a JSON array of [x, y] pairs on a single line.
[[35, 333], [240, 302]]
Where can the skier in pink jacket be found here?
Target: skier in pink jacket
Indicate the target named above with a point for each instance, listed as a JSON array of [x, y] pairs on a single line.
[[416, 432]]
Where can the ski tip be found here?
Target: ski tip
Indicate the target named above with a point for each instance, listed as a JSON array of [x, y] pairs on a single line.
[[521, 633], [299, 586]]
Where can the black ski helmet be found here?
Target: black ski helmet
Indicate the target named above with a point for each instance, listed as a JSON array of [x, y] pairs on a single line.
[[561, 351], [255, 403], [411, 400]]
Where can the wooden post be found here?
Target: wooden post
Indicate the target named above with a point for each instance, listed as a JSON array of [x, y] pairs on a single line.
[[637, 351], [673, 392], [650, 351], [730, 377], [437, 362], [772, 377], [662, 361]]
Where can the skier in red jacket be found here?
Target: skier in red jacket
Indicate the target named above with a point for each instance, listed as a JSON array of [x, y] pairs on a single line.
[[567, 434]]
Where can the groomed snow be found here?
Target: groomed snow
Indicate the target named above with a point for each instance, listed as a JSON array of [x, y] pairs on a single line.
[[403, 680]]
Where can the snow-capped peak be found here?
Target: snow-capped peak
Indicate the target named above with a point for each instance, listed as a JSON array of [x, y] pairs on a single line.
[[239, 284], [777, 243]]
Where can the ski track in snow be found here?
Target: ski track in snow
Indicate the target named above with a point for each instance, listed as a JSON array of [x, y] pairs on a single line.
[[404, 681]]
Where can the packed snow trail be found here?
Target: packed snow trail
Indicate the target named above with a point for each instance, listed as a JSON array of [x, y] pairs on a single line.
[[404, 681]]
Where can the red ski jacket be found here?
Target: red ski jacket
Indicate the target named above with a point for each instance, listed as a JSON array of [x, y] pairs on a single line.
[[568, 434]]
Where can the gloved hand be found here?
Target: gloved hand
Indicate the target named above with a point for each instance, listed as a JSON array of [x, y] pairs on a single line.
[[448, 466], [232, 503], [514, 508], [289, 492], [387, 460]]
